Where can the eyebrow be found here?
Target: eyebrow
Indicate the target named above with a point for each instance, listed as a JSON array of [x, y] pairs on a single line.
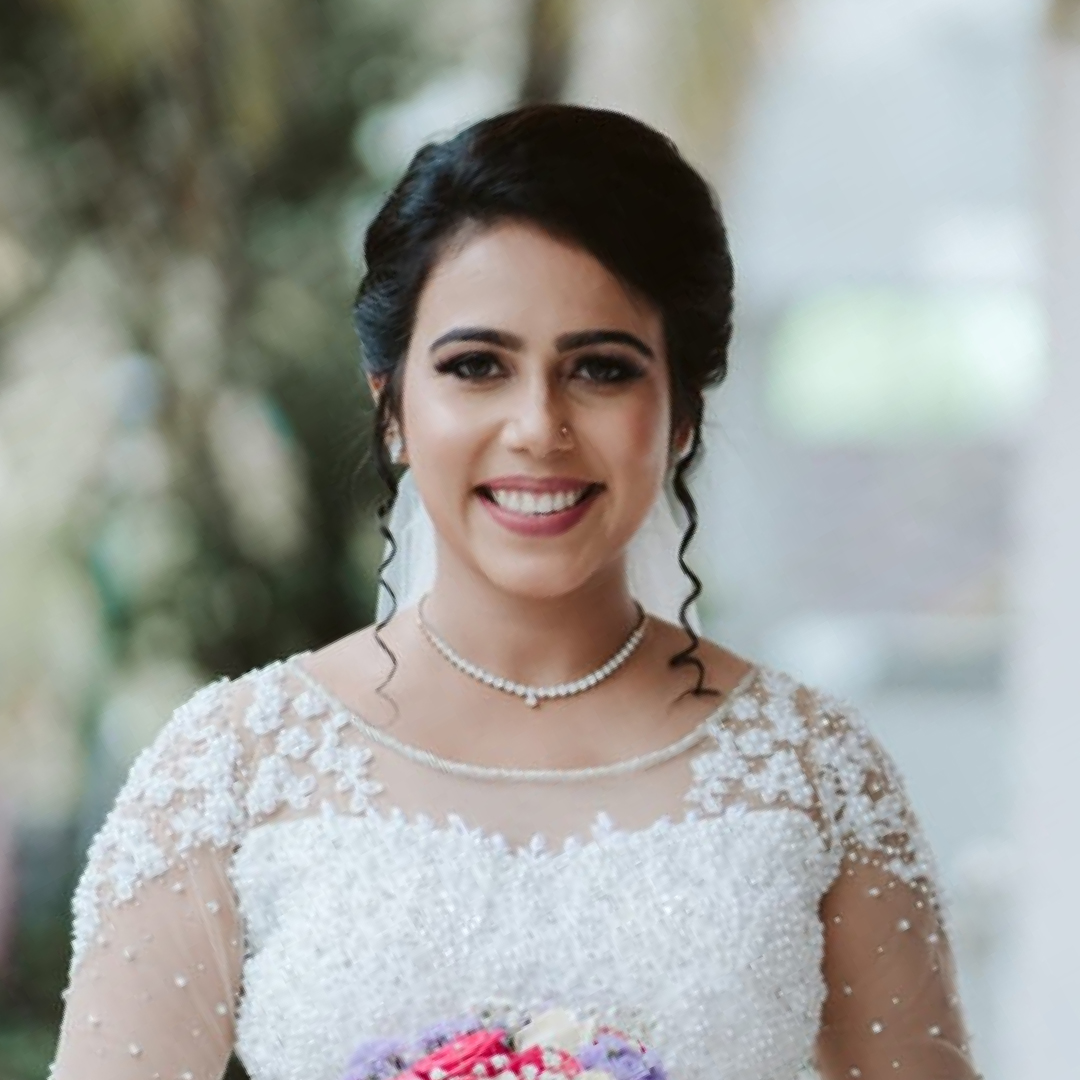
[[479, 333], [579, 339], [583, 338]]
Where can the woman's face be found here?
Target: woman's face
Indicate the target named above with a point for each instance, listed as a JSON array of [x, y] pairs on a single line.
[[535, 410]]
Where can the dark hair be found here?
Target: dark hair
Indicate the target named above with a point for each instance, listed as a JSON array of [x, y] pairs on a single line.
[[601, 180]]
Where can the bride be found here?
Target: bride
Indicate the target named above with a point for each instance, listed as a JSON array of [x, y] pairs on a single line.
[[531, 782]]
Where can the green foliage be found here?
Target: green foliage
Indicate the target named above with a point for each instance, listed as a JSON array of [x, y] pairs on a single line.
[[26, 1050], [190, 167], [215, 140]]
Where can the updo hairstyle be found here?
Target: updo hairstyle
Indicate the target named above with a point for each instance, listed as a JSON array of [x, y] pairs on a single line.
[[599, 180]]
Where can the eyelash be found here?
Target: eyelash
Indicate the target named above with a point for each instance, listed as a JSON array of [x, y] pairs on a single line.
[[614, 369]]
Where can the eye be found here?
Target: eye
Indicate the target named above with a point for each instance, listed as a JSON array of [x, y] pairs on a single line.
[[471, 367], [607, 369]]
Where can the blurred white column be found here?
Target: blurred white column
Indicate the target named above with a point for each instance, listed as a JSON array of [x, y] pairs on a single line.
[[1042, 999], [679, 65]]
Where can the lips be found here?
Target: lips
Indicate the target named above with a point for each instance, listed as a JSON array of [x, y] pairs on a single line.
[[545, 506]]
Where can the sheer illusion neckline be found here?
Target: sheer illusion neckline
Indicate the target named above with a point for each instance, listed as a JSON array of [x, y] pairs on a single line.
[[472, 771]]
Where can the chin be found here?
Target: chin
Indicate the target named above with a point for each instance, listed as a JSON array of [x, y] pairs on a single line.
[[541, 579], [536, 586]]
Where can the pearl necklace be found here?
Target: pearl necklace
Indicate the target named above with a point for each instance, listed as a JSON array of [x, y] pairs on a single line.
[[533, 695]]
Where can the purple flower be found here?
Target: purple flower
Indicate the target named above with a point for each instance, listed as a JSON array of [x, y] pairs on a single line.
[[378, 1059], [445, 1031], [624, 1060]]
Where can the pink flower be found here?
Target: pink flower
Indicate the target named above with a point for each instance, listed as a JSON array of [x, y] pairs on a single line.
[[459, 1058], [541, 1060]]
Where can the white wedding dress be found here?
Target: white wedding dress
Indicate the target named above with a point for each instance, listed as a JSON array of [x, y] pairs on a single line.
[[281, 879]]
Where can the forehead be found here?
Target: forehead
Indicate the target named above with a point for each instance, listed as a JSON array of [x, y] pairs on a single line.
[[515, 276]]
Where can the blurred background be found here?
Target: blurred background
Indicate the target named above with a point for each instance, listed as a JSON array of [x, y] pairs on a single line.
[[889, 489]]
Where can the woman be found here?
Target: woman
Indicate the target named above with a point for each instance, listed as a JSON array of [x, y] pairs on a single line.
[[347, 845]]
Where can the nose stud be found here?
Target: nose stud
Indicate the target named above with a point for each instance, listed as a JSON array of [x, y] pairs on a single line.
[[564, 435]]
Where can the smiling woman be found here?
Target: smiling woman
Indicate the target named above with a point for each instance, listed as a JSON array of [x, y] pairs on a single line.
[[355, 843], [620, 277]]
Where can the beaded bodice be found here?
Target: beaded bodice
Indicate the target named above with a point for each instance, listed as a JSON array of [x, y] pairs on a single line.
[[282, 877]]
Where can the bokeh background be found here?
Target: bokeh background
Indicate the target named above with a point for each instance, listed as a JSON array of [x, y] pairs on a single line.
[[890, 493]]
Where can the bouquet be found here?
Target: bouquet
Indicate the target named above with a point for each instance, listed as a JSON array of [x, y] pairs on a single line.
[[553, 1045]]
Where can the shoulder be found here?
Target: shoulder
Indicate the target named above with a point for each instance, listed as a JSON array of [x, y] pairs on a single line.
[[793, 711], [196, 775], [249, 706], [781, 709], [859, 795], [233, 754], [773, 715], [282, 734], [224, 710]]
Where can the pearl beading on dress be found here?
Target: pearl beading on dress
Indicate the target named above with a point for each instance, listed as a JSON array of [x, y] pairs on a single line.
[[257, 867], [533, 695]]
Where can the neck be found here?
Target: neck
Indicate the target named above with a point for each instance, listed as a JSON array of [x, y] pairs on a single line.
[[536, 641]]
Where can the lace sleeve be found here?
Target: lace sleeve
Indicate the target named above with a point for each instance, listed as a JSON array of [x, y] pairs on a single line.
[[892, 1009], [157, 944]]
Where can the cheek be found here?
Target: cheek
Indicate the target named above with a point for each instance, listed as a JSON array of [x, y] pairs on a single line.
[[444, 438], [638, 438], [432, 427]]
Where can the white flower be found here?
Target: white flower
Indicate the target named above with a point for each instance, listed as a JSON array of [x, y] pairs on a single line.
[[556, 1029]]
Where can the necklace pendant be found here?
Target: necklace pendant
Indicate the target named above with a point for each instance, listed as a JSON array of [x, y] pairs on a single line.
[[531, 701]]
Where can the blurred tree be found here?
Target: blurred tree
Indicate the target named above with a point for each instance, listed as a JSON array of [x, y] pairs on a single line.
[[178, 389], [204, 151]]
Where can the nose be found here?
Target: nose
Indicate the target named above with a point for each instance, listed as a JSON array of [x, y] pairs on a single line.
[[536, 425]]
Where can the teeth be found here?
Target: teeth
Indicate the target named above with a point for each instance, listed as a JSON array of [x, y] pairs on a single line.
[[528, 502]]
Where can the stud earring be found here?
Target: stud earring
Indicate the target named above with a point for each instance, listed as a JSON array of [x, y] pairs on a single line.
[[395, 448]]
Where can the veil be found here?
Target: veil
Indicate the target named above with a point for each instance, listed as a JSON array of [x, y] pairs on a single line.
[[656, 580]]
